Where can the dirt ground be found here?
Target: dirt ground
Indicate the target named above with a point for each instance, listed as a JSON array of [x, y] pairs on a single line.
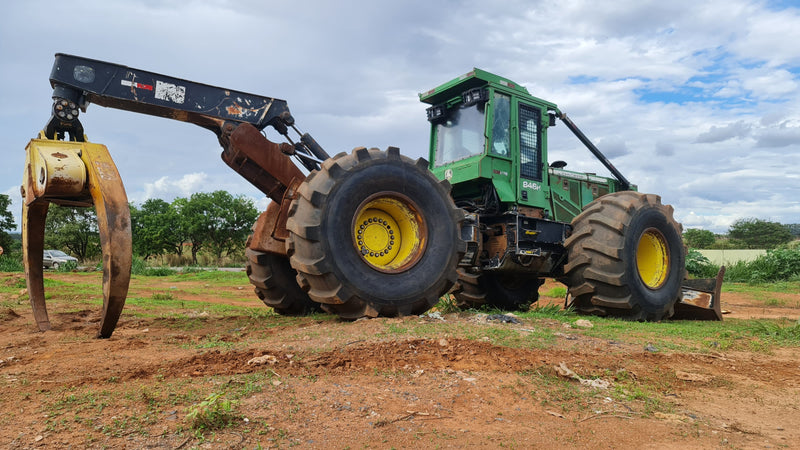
[[414, 382]]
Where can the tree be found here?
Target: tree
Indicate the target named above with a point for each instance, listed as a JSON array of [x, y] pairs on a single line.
[[794, 228], [157, 228], [6, 222], [756, 233], [217, 220], [74, 229], [696, 238]]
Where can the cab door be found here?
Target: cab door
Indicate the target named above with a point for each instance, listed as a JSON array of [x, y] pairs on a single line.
[[530, 163]]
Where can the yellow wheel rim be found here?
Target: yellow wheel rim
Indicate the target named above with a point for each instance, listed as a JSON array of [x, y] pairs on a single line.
[[388, 232], [652, 258]]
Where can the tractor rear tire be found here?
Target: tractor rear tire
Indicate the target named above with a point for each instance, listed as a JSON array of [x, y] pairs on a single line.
[[374, 233], [625, 258], [470, 292], [275, 284]]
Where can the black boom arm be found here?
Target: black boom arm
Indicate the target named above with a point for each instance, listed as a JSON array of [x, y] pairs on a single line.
[[78, 81]]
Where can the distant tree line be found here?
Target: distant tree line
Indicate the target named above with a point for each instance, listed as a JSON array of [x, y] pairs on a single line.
[[744, 233], [217, 222], [6, 222]]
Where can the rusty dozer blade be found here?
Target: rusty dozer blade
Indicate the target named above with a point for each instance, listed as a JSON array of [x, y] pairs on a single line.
[[76, 174], [700, 299]]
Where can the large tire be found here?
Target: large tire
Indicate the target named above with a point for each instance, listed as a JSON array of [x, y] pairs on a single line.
[[625, 258], [275, 284], [510, 292], [343, 227], [469, 292]]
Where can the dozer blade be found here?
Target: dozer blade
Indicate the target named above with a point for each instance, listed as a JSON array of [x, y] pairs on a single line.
[[700, 299], [76, 174]]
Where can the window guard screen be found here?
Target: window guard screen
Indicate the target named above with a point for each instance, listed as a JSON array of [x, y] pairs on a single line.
[[530, 151]]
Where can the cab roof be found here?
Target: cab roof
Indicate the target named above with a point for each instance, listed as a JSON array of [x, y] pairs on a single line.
[[472, 79]]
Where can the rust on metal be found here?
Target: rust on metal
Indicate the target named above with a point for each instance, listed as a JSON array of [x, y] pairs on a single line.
[[700, 299], [263, 238], [697, 298], [114, 224], [260, 161], [234, 110]]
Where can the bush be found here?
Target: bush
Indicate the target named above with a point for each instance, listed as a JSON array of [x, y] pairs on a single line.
[[68, 266], [780, 264], [11, 262], [140, 267], [699, 266]]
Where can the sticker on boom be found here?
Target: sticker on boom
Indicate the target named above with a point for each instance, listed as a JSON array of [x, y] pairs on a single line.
[[170, 92]]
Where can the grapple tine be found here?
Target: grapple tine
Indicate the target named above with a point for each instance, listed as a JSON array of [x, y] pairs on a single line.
[[114, 224], [33, 219]]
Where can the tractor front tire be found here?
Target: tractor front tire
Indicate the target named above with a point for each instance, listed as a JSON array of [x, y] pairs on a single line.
[[625, 258], [275, 283], [374, 233]]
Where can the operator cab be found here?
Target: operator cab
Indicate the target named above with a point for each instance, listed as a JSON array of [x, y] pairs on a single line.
[[489, 131]]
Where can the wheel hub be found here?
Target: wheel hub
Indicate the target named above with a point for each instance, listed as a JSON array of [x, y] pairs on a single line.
[[388, 233], [652, 258]]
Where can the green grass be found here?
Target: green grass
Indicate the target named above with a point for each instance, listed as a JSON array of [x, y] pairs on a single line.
[[556, 292]]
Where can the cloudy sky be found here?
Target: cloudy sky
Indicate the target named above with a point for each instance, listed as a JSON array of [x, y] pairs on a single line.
[[695, 101]]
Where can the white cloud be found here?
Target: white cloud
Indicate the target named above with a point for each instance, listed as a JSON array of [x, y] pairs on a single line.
[[697, 101], [167, 188], [738, 129]]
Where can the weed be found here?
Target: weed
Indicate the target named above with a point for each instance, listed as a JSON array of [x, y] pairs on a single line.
[[162, 296], [447, 304], [213, 413]]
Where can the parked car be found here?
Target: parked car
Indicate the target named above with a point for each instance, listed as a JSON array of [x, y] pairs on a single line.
[[56, 258]]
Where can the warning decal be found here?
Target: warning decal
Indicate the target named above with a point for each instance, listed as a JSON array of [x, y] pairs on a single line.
[[134, 84], [170, 92]]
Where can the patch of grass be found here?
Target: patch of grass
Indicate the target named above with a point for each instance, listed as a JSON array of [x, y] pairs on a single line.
[[214, 341], [557, 392], [556, 292], [215, 277], [779, 286], [776, 332], [548, 312]]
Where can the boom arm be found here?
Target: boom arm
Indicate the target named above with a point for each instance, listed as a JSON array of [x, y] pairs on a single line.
[[78, 81]]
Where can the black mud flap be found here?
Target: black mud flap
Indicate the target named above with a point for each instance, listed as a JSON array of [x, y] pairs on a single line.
[[700, 299]]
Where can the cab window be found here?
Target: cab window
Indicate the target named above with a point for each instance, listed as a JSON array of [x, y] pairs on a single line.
[[501, 138]]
